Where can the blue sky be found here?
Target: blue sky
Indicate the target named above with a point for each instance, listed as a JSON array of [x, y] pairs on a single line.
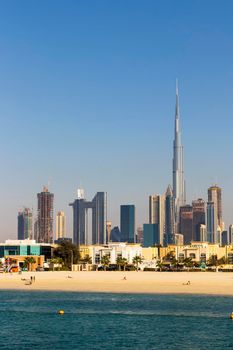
[[87, 98]]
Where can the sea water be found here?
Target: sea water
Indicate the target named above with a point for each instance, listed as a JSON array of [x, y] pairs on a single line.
[[29, 320]]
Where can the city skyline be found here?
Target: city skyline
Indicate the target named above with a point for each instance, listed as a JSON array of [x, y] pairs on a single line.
[[179, 204], [90, 103]]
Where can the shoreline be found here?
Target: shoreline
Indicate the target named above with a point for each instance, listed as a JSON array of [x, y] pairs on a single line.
[[201, 283]]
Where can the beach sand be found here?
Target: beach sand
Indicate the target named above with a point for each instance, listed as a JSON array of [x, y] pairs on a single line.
[[113, 282]]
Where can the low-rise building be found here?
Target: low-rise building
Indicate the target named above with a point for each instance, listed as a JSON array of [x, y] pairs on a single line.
[[25, 247]]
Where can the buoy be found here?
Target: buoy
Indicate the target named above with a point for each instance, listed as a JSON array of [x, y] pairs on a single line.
[[61, 312], [231, 316]]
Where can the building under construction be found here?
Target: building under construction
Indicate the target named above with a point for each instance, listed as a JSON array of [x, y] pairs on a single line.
[[45, 216]]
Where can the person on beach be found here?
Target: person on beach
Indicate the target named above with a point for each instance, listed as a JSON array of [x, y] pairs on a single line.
[[187, 284]]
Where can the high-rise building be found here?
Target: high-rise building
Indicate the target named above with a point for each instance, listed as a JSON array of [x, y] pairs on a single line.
[[60, 225], [139, 235], [178, 169], [215, 195], [157, 214], [212, 222], [169, 235], [128, 223], [25, 227], [231, 234], [98, 205], [186, 223], [198, 218], [224, 238], [45, 216], [150, 235], [99, 218]]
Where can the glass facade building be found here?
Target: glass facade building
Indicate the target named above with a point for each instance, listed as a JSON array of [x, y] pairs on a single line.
[[128, 223], [98, 205], [150, 235], [25, 226]]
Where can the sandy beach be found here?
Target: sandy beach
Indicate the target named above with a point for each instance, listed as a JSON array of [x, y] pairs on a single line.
[[114, 282]]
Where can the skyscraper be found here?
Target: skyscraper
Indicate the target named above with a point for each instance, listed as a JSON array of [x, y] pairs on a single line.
[[231, 234], [169, 235], [98, 205], [178, 171], [186, 223], [99, 218], [25, 227], [128, 223], [215, 195], [45, 216], [60, 225], [212, 222], [150, 235], [198, 218], [157, 214]]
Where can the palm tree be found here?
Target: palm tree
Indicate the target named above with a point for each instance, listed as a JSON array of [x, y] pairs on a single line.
[[160, 265], [121, 262], [213, 261], [175, 263], [188, 262], [28, 262], [87, 259], [137, 260], [105, 260]]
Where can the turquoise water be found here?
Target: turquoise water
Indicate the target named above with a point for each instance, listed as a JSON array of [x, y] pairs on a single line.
[[114, 321]]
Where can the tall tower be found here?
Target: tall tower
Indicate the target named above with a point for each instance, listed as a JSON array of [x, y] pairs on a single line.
[[45, 216], [157, 214], [25, 230], [98, 205], [178, 171], [215, 195], [198, 218], [60, 225], [169, 236], [128, 223], [215, 223]]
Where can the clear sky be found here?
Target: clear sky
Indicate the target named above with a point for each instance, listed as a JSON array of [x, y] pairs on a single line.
[[87, 98]]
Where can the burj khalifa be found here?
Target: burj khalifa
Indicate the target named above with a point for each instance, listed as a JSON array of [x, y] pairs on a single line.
[[178, 170]]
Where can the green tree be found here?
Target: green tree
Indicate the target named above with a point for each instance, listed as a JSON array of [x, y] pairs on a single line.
[[105, 261], [86, 260], [188, 262], [28, 262], [213, 261], [137, 260], [160, 265], [170, 256], [121, 262], [68, 252], [175, 263]]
